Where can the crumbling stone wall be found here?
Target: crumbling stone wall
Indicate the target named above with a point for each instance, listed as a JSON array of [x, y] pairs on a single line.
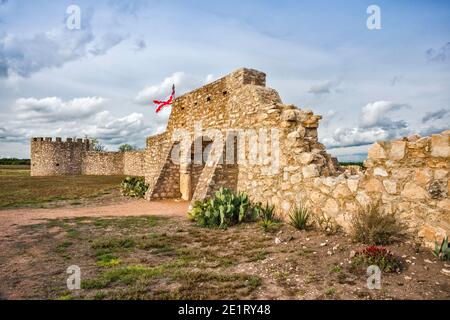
[[410, 178], [74, 157]]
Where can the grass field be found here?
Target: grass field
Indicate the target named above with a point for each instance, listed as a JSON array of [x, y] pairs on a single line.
[[151, 257], [19, 189]]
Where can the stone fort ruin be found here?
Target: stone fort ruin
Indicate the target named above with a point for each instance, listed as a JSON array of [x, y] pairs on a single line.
[[410, 176]]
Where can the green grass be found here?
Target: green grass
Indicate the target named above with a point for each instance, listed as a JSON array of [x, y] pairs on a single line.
[[114, 243], [257, 256], [126, 276], [330, 292], [129, 222], [149, 258], [336, 269], [108, 260], [20, 189]]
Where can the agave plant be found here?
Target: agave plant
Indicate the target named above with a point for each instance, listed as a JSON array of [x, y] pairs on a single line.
[[267, 213], [442, 251], [299, 217]]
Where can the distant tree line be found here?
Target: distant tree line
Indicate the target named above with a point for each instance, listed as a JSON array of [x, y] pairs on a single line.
[[345, 164], [14, 162], [96, 145]]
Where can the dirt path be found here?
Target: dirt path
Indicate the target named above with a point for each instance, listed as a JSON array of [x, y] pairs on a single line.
[[11, 219]]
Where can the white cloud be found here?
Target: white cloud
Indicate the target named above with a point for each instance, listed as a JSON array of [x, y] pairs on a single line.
[[375, 125], [375, 115], [435, 115], [128, 6], [322, 88], [439, 55], [115, 131], [349, 137], [79, 117], [183, 83], [12, 135], [139, 45], [24, 56], [53, 109], [106, 42], [328, 118]]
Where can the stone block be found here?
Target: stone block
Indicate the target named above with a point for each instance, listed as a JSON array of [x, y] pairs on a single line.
[[397, 151], [341, 191], [353, 184], [390, 186], [423, 176], [440, 146], [306, 158], [431, 234], [310, 171], [414, 191], [331, 207], [373, 185], [377, 152], [381, 172]]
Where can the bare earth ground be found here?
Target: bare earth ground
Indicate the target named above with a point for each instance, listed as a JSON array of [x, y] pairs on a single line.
[[134, 249], [139, 250], [116, 206]]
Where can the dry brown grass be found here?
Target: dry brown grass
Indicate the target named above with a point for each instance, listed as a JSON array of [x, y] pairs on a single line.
[[18, 188], [373, 226], [170, 258]]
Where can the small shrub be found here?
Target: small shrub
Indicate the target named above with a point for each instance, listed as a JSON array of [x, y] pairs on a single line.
[[266, 213], [377, 256], [133, 187], [270, 226], [223, 210], [299, 218], [442, 251], [374, 227], [108, 260]]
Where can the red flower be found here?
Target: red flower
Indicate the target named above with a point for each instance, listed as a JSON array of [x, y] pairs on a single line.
[[374, 252]]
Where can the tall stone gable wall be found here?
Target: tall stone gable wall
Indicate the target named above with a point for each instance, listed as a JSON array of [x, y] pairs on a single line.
[[74, 157], [409, 177]]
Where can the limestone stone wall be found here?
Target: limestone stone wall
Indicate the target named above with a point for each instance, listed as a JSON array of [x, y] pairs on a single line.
[[103, 163], [57, 157], [133, 163], [74, 157], [162, 175], [409, 177]]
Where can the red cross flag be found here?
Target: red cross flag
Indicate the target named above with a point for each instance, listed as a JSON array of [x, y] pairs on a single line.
[[162, 104]]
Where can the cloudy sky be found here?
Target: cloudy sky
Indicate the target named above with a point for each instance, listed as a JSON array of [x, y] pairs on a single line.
[[99, 80]]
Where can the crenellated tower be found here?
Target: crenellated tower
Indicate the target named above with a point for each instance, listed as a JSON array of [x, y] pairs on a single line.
[[57, 157]]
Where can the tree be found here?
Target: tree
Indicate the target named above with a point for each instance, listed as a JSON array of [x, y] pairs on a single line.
[[126, 147], [97, 145]]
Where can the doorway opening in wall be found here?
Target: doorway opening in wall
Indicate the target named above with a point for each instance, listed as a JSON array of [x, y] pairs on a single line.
[[190, 174]]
